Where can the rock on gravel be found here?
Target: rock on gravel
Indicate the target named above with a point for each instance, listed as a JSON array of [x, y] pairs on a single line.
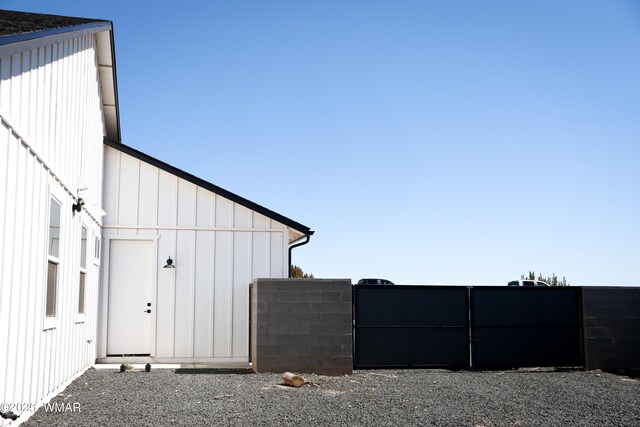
[[368, 398]]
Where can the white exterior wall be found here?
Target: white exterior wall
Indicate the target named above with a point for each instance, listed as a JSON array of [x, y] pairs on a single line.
[[201, 309], [51, 135]]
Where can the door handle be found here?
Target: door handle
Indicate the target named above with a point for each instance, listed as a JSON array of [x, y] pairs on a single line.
[[146, 311]]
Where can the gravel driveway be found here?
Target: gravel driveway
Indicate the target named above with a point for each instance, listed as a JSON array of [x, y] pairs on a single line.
[[383, 397]]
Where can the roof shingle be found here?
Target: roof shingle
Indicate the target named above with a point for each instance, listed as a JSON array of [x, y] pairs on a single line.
[[14, 23]]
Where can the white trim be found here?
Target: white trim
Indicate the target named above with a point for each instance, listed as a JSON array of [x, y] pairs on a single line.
[[180, 228], [97, 242], [81, 317], [51, 322], [25, 45], [175, 360], [129, 237], [53, 194]]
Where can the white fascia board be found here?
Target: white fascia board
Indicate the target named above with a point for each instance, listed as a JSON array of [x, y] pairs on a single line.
[[107, 74]]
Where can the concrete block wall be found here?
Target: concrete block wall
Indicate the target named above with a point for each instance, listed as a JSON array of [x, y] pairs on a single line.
[[302, 326], [611, 317]]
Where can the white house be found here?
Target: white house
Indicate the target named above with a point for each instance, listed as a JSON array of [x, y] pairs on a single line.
[[87, 225]]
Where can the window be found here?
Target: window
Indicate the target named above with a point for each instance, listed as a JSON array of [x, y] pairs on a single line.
[[52, 282], [83, 270], [96, 251], [53, 259]]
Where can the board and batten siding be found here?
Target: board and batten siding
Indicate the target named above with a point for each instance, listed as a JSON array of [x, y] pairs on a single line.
[[201, 308], [51, 133]]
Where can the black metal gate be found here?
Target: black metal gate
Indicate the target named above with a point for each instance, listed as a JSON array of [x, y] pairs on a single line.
[[466, 327], [526, 327], [411, 326]]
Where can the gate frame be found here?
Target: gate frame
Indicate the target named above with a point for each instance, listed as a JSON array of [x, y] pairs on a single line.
[[471, 331]]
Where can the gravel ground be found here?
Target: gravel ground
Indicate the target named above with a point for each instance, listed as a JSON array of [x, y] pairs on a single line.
[[372, 398]]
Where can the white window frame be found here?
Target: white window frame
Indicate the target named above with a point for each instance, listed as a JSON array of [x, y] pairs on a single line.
[[51, 322], [82, 271], [97, 244]]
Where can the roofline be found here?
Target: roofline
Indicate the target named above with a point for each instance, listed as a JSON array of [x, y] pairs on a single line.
[[16, 38], [115, 81], [209, 186]]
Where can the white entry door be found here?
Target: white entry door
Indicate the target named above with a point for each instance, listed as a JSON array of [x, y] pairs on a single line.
[[129, 314]]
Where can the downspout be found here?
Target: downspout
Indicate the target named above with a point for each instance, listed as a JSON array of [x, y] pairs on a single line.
[[308, 237]]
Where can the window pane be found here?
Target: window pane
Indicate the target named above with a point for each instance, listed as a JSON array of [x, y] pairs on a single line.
[[54, 228], [52, 280], [83, 249], [96, 249], [81, 294]]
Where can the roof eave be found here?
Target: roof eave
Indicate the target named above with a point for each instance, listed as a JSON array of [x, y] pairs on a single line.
[[23, 37], [109, 83]]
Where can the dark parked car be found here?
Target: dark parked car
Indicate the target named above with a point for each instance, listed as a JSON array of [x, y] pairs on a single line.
[[375, 282]]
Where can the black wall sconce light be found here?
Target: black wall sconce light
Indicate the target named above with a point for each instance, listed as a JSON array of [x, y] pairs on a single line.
[[169, 263], [77, 207]]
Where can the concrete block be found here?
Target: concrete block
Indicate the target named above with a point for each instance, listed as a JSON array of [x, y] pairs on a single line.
[[267, 317], [283, 286], [331, 307], [289, 328], [301, 308], [289, 297], [339, 285], [331, 329], [306, 339], [299, 318], [331, 297], [279, 350], [336, 318], [314, 296], [331, 352], [267, 340], [298, 351], [262, 350], [268, 297], [281, 307], [334, 339], [264, 363]]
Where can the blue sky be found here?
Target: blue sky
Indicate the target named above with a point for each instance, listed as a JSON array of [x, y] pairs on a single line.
[[425, 142]]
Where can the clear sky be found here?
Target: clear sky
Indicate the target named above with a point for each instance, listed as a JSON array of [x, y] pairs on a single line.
[[424, 141]]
